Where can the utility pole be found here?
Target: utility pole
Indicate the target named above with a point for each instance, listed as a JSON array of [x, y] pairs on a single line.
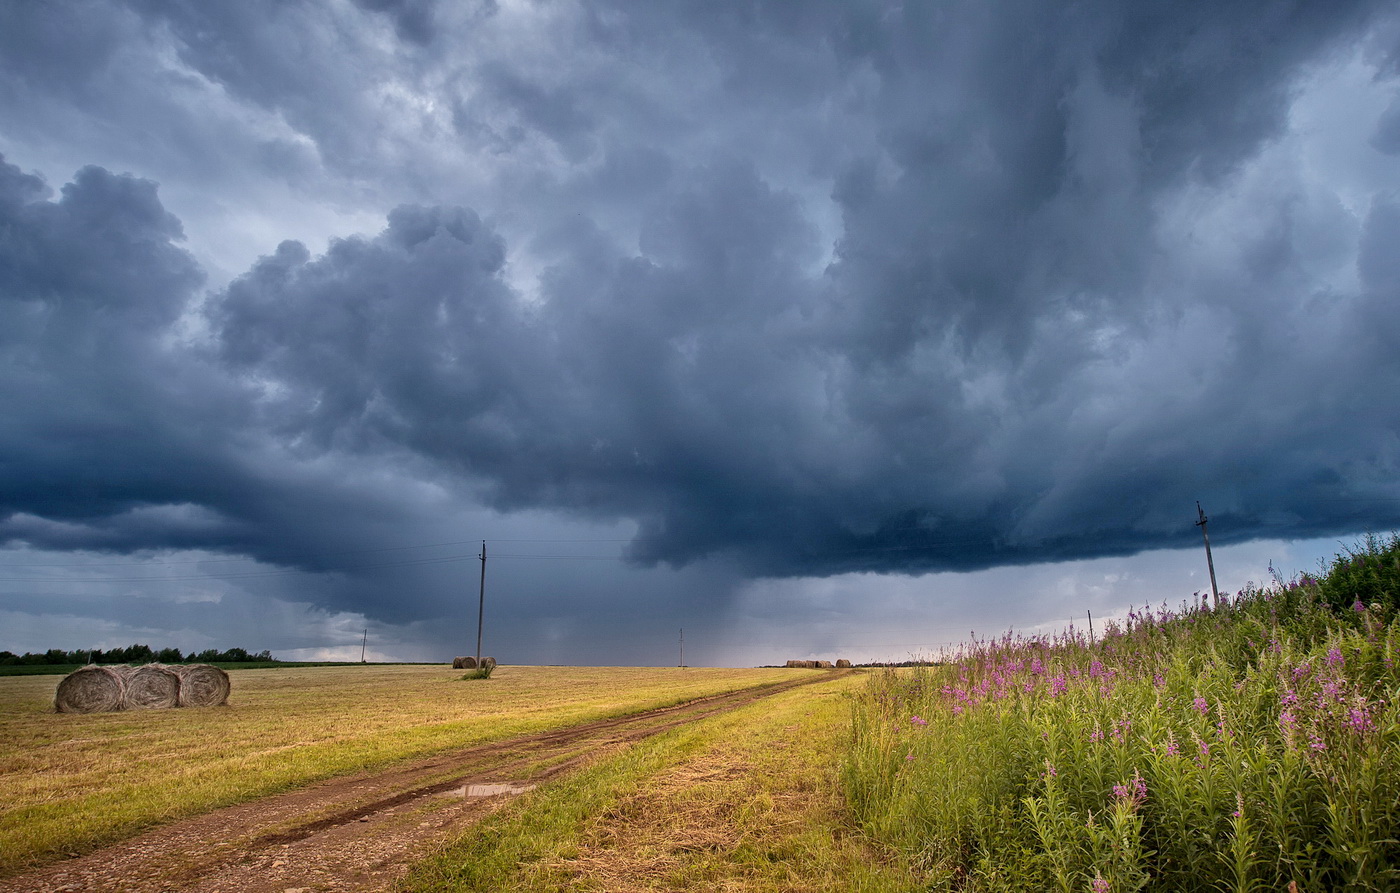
[[363, 643], [1091, 626], [1214, 591], [481, 603], [682, 646]]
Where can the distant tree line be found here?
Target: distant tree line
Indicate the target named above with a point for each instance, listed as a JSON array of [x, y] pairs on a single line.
[[132, 654]]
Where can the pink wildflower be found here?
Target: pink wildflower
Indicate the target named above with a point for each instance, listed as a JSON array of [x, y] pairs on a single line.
[[1359, 720], [1201, 706], [1334, 657], [918, 721], [1100, 885]]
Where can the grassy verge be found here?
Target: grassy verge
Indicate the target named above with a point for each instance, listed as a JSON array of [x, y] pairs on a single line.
[[69, 783], [1252, 747], [743, 802]]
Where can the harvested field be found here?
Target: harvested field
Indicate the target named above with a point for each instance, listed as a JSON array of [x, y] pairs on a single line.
[[70, 782], [360, 832]]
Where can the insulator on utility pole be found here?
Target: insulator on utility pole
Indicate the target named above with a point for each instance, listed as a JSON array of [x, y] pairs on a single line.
[[1214, 591]]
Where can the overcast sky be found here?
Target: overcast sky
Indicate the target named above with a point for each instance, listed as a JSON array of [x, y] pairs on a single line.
[[817, 329]]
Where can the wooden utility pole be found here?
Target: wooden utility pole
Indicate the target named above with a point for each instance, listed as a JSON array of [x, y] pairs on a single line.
[[1091, 626], [1214, 591], [481, 602], [682, 646], [363, 643]]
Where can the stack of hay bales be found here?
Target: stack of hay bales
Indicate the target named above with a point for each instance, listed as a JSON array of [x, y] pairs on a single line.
[[817, 664], [152, 686], [843, 664]]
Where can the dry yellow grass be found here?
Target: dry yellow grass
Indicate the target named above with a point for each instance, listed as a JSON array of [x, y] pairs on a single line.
[[72, 781], [745, 802]]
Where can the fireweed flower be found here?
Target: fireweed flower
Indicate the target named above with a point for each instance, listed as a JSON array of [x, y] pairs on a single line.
[[918, 721], [1099, 885], [1359, 720], [1334, 657], [1120, 730], [1201, 706], [1134, 790]]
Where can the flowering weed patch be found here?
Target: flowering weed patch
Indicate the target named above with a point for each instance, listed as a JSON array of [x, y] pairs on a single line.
[[1248, 747]]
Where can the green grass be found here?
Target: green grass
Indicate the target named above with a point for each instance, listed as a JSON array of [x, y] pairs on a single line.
[[747, 801], [1245, 748], [71, 782]]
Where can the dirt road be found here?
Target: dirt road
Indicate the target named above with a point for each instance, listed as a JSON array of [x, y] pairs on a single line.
[[356, 833]]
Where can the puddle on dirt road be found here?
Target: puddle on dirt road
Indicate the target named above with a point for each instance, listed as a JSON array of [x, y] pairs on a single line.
[[492, 790]]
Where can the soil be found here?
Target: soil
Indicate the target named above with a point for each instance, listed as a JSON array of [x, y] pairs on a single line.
[[362, 832]]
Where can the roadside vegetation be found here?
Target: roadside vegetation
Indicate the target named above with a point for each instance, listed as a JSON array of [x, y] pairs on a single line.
[[71, 782], [746, 802], [1251, 747]]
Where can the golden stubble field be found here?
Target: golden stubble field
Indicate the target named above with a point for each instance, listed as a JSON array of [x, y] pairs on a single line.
[[71, 782]]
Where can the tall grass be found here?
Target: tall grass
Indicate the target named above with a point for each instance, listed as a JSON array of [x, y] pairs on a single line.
[[1242, 748]]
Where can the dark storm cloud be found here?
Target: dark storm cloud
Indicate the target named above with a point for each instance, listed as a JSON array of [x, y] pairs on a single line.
[[808, 287], [119, 435]]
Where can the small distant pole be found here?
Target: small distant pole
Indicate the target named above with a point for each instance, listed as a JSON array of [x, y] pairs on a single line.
[[363, 642], [682, 646], [1091, 626], [1215, 592], [481, 602]]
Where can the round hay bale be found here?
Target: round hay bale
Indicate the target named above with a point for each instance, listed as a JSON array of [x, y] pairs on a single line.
[[824, 665], [203, 686], [464, 663], [457, 663], [89, 690], [791, 664], [487, 663], [843, 664], [150, 687]]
